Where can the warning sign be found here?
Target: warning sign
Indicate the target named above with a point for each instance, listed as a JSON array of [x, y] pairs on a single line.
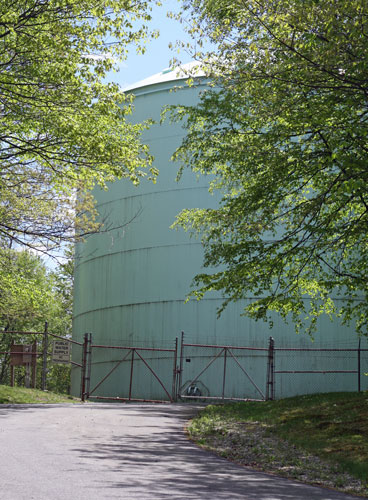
[[61, 351]]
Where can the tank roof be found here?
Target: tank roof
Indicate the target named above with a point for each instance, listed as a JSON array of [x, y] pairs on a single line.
[[169, 74]]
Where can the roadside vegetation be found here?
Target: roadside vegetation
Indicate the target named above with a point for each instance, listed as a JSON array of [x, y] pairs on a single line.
[[31, 294], [319, 439], [20, 395]]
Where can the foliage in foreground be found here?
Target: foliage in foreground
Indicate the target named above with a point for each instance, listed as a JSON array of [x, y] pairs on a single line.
[[331, 426], [63, 128], [283, 137], [20, 395]]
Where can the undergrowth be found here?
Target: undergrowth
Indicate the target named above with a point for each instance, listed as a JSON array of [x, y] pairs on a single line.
[[331, 427]]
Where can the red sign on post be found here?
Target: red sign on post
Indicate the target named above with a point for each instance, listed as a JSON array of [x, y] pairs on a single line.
[[20, 354], [23, 355]]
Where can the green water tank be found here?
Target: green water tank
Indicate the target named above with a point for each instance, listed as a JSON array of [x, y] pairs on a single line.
[[131, 282]]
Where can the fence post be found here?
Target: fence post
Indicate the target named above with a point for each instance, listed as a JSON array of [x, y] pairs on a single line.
[[131, 374], [270, 383], [45, 346], [359, 388], [84, 367], [180, 365], [175, 372], [224, 376], [12, 372], [34, 363], [89, 363]]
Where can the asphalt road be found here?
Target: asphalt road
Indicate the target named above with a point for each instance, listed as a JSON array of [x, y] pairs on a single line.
[[128, 451]]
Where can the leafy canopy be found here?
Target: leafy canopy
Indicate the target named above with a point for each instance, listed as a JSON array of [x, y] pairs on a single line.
[[283, 136], [62, 129]]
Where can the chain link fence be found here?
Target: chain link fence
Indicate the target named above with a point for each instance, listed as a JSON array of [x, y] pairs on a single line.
[[224, 372], [311, 370]]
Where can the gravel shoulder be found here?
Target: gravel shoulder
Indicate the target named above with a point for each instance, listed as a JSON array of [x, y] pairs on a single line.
[[251, 444]]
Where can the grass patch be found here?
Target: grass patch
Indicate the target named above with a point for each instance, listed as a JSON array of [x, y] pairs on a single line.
[[330, 427], [20, 395]]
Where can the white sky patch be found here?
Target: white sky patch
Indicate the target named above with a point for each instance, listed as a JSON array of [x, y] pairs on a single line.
[[99, 57]]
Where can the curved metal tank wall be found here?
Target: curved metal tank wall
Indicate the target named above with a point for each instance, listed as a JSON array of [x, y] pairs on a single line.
[[131, 282]]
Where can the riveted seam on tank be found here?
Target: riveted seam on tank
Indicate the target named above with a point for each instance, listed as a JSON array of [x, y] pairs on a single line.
[[152, 302], [149, 302], [137, 249], [192, 188]]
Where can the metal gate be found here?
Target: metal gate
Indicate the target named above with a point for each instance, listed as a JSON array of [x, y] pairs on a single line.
[[153, 366], [224, 372]]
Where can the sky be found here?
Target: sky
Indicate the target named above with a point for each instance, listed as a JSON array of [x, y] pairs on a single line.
[[158, 55]]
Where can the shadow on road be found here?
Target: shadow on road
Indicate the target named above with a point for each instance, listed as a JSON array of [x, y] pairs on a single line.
[[168, 465]]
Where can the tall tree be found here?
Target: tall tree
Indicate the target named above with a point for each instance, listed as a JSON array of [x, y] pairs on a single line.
[[62, 130], [284, 138]]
